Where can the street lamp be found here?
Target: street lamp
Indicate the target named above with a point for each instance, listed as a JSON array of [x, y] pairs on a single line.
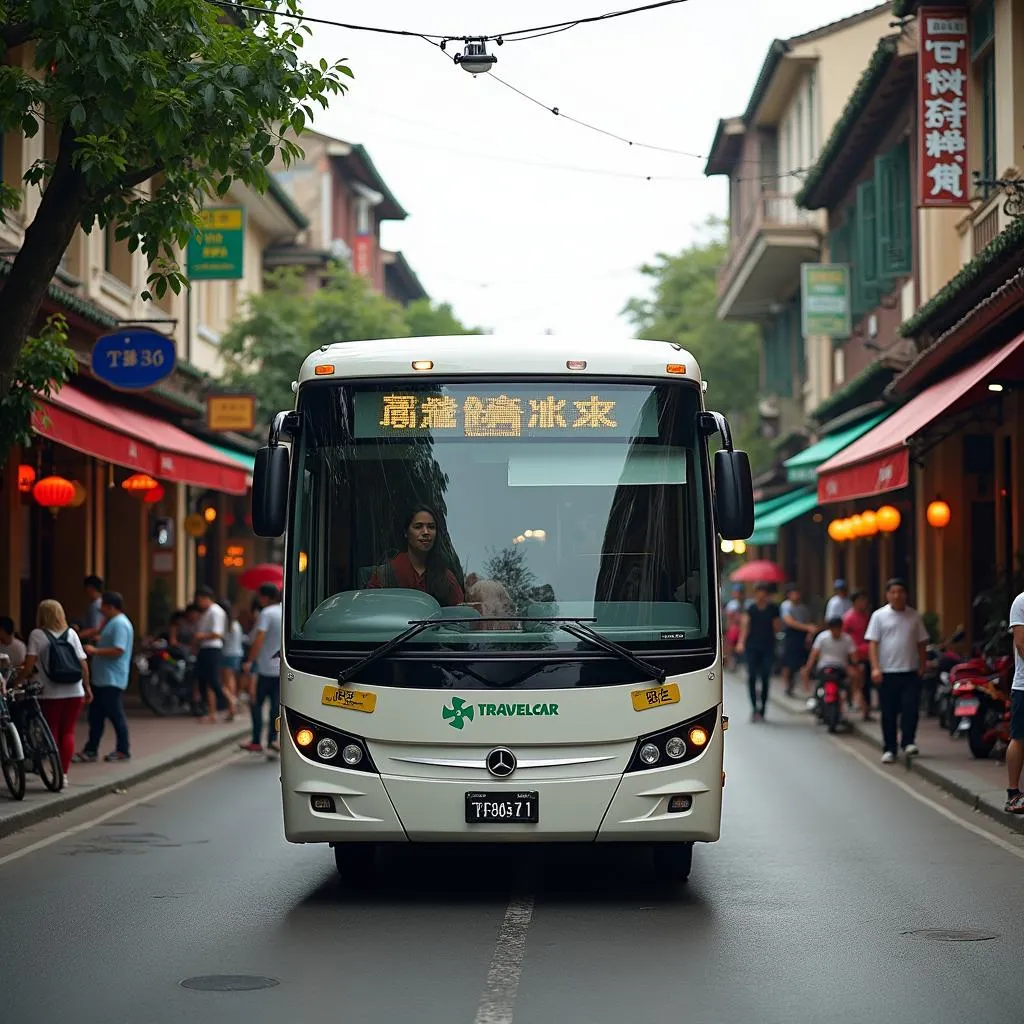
[[476, 60]]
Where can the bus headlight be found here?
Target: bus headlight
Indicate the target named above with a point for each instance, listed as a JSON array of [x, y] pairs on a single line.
[[322, 744], [352, 754], [654, 749], [327, 748]]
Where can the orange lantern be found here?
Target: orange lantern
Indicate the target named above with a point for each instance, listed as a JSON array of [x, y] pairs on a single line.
[[855, 522], [837, 531], [888, 519], [26, 478], [868, 524], [139, 483], [80, 495], [938, 514], [155, 495], [54, 493]]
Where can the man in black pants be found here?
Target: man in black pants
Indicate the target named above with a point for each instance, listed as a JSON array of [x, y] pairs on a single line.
[[209, 641], [757, 643], [265, 655]]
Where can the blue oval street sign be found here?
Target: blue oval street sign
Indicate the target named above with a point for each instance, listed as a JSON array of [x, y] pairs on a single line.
[[133, 359]]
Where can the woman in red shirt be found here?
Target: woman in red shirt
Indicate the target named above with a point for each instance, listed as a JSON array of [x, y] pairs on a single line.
[[421, 566], [855, 622]]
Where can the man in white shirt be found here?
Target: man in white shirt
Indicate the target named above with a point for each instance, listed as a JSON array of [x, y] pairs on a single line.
[[832, 648], [896, 643], [839, 603], [265, 654], [10, 644], [209, 641], [1015, 752]]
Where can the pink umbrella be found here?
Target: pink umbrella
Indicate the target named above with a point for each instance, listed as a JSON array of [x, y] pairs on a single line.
[[254, 577], [759, 572]]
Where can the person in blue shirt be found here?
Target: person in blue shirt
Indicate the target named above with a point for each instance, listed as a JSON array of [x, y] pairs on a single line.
[[111, 669]]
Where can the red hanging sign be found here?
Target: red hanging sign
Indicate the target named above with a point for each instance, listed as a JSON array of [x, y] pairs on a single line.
[[361, 256], [944, 66], [883, 473]]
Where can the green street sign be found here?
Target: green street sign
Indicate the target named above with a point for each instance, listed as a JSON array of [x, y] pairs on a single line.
[[216, 252], [825, 300]]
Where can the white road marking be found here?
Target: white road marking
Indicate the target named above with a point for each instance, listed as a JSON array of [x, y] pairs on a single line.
[[85, 825], [1003, 844], [498, 1000]]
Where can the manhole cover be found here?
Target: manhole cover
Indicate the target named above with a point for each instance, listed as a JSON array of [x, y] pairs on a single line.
[[951, 935], [229, 983]]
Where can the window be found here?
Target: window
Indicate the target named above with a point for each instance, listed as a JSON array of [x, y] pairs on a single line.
[[893, 213], [777, 339], [983, 53], [117, 260]]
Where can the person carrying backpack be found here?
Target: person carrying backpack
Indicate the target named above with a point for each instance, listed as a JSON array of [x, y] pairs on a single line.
[[56, 654], [111, 670]]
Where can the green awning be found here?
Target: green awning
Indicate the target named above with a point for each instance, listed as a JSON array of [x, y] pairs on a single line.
[[801, 468], [242, 458], [766, 526], [762, 508]]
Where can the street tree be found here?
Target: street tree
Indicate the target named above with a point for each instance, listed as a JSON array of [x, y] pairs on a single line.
[[187, 95], [682, 309], [265, 348], [427, 319], [509, 568]]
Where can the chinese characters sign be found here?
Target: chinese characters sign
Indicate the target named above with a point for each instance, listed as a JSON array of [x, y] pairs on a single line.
[[216, 252], [231, 412], [133, 359], [508, 413], [362, 256], [825, 300], [944, 68]]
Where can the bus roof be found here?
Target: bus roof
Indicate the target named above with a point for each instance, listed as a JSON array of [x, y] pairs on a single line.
[[530, 354]]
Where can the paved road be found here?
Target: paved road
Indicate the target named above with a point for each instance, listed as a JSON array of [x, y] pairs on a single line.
[[799, 915]]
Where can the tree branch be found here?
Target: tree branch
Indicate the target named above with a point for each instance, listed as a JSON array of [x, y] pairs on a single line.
[[18, 33], [131, 180]]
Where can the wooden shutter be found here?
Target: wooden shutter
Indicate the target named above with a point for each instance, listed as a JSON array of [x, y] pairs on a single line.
[[867, 233], [893, 213]]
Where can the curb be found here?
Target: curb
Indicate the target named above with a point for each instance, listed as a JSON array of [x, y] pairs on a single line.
[[20, 820], [1014, 822]]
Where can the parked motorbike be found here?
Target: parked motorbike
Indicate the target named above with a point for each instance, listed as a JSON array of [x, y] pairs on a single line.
[[831, 694], [981, 699], [938, 689], [165, 680]]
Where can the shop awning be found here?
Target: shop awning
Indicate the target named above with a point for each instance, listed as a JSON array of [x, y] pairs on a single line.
[[244, 459], [766, 526], [135, 441], [880, 460], [802, 467]]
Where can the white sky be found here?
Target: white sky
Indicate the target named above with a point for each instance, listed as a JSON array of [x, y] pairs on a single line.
[[526, 248]]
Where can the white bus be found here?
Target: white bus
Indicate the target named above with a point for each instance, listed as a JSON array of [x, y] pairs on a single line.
[[501, 611]]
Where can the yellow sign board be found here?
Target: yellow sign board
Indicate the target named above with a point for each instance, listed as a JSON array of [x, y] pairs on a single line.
[[349, 700], [655, 697], [195, 525], [231, 412]]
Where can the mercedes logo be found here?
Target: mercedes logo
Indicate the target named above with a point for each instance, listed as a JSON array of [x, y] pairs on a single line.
[[501, 762]]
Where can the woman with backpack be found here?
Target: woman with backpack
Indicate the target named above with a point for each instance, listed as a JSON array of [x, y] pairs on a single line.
[[55, 652]]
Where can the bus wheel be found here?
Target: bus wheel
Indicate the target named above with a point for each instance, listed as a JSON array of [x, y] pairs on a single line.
[[355, 861], [673, 861]]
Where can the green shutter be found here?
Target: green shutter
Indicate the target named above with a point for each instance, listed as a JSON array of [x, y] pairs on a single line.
[[883, 213], [893, 213], [867, 233]]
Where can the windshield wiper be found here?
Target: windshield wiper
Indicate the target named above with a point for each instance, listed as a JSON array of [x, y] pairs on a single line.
[[573, 626]]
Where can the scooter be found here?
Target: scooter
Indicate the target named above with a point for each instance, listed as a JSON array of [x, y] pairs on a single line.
[[165, 680], [937, 694], [830, 696]]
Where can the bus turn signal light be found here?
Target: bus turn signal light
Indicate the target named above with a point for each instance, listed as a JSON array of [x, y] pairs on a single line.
[[324, 369], [304, 737], [698, 736], [675, 368]]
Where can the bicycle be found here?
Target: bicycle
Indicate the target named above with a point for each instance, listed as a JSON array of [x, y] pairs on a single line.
[[42, 757], [12, 754]]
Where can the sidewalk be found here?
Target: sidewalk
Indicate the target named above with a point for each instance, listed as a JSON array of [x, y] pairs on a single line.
[[157, 745], [943, 761]]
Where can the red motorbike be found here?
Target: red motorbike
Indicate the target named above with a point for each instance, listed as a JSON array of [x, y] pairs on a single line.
[[981, 703]]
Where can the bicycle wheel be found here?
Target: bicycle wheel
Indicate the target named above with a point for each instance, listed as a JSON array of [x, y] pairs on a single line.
[[13, 768], [47, 756]]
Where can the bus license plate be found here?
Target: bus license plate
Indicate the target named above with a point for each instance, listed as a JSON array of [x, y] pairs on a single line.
[[501, 807]]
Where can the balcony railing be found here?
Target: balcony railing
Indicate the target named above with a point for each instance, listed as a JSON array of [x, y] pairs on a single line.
[[769, 210]]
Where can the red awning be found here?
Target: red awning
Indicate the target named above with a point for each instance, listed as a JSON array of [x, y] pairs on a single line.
[[879, 461], [136, 441]]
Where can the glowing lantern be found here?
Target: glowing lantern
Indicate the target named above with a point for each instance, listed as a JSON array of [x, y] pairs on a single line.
[[54, 493], [210, 514], [836, 531], [155, 495], [140, 483], [80, 495], [855, 522], [938, 514], [888, 519], [26, 478], [868, 524]]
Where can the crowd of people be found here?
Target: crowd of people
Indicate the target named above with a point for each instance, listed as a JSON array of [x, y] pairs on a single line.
[[882, 649]]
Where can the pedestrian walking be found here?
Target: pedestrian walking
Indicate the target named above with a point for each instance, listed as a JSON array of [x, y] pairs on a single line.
[[92, 620], [111, 669], [209, 642], [1015, 752], [855, 622], [48, 657], [798, 634], [265, 655], [839, 603], [231, 658], [10, 644], [896, 639], [761, 621]]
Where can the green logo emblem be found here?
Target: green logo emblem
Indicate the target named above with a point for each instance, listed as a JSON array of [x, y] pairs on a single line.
[[457, 713]]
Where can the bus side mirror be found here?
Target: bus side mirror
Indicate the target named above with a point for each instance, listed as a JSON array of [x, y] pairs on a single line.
[[270, 492], [734, 495]]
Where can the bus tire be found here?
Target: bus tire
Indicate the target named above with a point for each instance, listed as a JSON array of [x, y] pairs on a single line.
[[355, 860], [673, 861]]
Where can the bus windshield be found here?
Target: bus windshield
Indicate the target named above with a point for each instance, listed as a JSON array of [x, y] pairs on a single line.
[[494, 506]]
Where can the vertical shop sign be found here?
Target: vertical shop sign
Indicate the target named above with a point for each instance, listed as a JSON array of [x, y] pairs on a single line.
[[943, 69], [361, 262]]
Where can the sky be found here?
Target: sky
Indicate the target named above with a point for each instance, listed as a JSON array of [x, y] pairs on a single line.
[[518, 247]]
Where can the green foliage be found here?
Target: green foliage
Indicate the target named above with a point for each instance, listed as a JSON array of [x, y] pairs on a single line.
[[43, 367], [508, 567], [264, 350], [427, 320], [180, 90], [683, 309]]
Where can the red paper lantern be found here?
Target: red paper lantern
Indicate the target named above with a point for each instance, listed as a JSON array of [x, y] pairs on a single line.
[[938, 514], [888, 519], [140, 483], [26, 478], [153, 496], [54, 492]]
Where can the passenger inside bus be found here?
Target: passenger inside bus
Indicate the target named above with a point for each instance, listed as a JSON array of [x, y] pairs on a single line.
[[421, 566]]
